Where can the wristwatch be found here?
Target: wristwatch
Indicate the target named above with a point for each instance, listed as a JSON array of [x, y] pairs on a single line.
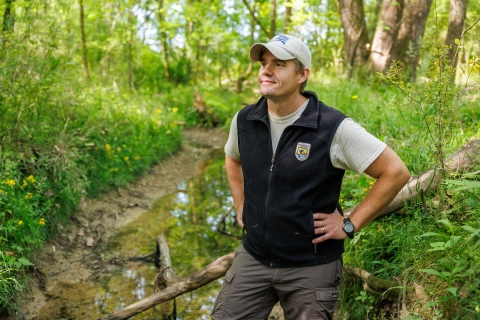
[[348, 227]]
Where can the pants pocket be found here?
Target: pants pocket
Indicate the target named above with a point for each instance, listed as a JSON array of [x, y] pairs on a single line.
[[219, 307], [326, 302]]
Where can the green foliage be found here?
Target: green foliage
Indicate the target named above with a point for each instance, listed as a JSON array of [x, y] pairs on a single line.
[[9, 285]]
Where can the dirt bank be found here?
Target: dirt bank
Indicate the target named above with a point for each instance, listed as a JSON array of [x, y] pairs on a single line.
[[77, 255]]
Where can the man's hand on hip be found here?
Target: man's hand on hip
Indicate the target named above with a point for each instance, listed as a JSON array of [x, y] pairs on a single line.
[[329, 225]]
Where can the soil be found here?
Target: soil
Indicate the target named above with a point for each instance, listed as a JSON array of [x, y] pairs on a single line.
[[76, 254]]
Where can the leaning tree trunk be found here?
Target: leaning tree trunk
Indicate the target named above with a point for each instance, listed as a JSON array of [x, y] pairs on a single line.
[[273, 18], [163, 36], [8, 18], [252, 14], [406, 49], [244, 76], [355, 35], [287, 19], [461, 161], [456, 22], [385, 34]]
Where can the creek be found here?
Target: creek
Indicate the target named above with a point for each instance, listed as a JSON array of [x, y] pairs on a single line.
[[189, 218]]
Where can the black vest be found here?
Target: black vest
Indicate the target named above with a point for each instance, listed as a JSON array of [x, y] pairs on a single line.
[[283, 190]]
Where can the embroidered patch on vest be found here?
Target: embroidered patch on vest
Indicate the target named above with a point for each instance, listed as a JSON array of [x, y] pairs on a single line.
[[302, 151]]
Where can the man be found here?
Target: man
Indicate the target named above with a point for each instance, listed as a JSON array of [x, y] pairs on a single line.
[[285, 160]]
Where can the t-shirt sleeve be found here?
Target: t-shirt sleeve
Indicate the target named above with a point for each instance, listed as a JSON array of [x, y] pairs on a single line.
[[353, 148], [231, 147]]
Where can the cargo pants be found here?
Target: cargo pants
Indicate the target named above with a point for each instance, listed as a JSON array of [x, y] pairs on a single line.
[[251, 289]]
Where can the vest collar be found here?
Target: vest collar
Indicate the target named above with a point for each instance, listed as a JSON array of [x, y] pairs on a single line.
[[309, 117]]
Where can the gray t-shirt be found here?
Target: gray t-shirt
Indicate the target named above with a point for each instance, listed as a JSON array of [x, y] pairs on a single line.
[[353, 148]]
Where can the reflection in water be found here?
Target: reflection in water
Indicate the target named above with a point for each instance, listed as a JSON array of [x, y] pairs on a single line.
[[189, 220]]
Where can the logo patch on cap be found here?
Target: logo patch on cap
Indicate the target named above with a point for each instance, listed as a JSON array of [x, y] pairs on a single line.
[[302, 151], [282, 38], [334, 295]]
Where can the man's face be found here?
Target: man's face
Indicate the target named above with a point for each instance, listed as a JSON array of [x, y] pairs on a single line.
[[277, 78]]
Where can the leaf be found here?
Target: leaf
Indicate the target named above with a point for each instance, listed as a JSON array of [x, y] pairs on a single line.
[[457, 41], [457, 269], [470, 229], [25, 262], [447, 223], [456, 239], [429, 304], [463, 184], [437, 244], [431, 271], [453, 291], [430, 234]]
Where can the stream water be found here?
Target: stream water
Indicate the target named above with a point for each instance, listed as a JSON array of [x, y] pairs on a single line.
[[189, 218]]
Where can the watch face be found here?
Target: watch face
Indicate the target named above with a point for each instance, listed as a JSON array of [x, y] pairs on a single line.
[[348, 227]]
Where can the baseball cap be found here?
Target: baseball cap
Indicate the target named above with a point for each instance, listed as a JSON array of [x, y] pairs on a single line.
[[284, 47]]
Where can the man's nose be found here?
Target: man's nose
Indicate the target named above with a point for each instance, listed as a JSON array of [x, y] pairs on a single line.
[[267, 69]]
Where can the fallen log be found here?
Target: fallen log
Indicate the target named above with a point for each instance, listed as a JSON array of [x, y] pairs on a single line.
[[166, 275], [429, 180], [375, 285], [213, 271]]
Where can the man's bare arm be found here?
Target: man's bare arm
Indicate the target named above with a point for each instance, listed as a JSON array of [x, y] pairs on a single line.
[[235, 180], [391, 174]]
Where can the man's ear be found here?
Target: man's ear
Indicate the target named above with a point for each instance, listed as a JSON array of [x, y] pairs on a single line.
[[304, 75]]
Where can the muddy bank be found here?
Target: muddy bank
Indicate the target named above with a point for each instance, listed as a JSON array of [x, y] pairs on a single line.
[[78, 255]]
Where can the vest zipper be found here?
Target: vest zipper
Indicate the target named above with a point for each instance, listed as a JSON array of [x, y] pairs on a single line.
[[266, 209]]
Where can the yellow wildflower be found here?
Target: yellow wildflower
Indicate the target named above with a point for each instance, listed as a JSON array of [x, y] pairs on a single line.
[[31, 178], [10, 182], [158, 110], [354, 96], [20, 222], [119, 149], [126, 158], [136, 158], [108, 147], [175, 109], [42, 221], [29, 196]]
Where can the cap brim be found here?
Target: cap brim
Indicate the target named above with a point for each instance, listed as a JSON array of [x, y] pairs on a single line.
[[257, 50]]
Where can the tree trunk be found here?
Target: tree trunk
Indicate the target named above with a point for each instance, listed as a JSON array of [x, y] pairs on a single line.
[[273, 18], [131, 27], [84, 45], [385, 34], [252, 14], [373, 284], [456, 22], [406, 48], [8, 18], [246, 74], [355, 33], [163, 38], [460, 162], [287, 20]]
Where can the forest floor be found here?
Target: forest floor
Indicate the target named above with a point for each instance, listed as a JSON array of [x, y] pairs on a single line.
[[76, 254]]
